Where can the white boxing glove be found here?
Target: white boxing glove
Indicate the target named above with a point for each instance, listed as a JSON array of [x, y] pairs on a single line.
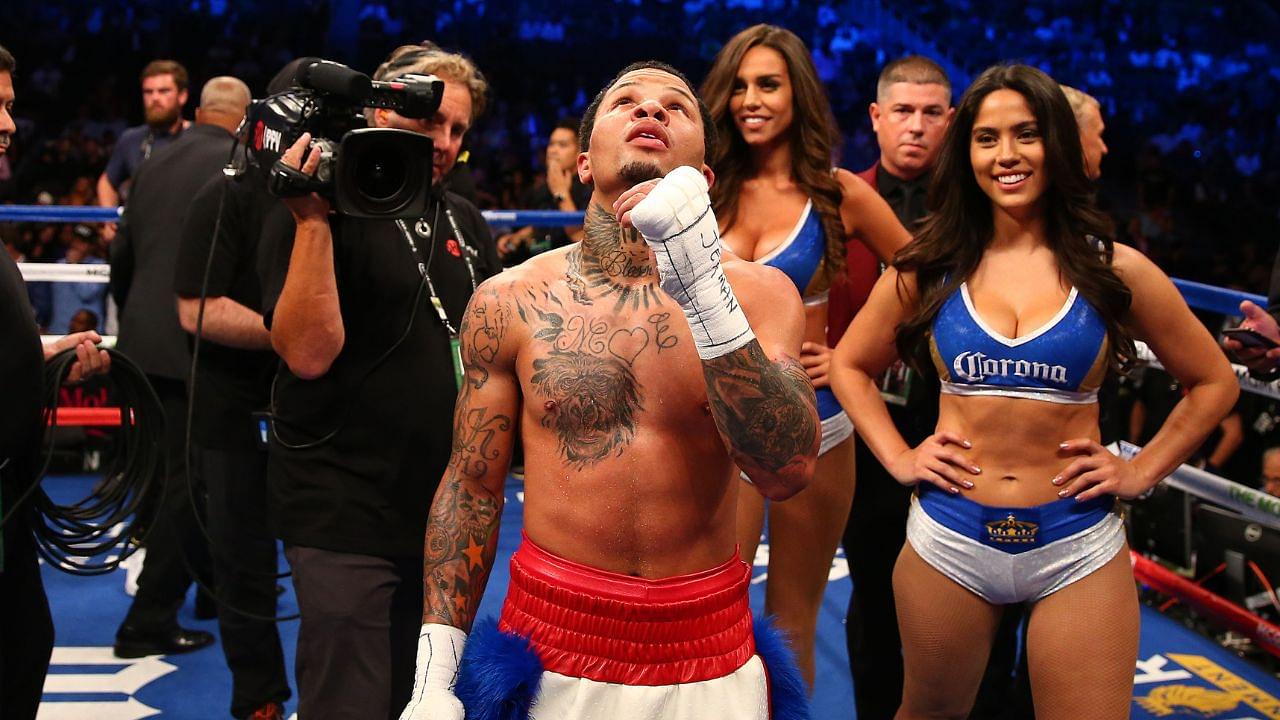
[[676, 221], [439, 652]]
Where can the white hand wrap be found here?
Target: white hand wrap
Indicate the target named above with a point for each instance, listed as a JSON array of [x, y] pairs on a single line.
[[439, 651], [676, 220]]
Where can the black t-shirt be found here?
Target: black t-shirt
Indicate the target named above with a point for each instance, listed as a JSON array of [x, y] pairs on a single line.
[[547, 237], [1260, 416], [232, 382], [1159, 393], [21, 383], [540, 198], [367, 488]]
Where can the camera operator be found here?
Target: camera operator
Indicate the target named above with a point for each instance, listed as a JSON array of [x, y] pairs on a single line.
[[363, 312]]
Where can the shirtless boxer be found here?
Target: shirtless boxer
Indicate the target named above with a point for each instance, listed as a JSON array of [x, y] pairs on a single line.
[[640, 368]]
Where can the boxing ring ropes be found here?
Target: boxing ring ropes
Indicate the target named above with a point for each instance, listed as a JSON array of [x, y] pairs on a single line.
[[1255, 506]]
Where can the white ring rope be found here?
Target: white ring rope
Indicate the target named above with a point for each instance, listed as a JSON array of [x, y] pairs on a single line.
[[1255, 505], [64, 272], [108, 341], [101, 273]]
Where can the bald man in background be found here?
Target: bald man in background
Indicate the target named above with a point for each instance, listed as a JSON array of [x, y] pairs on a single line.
[[232, 382], [143, 260], [1088, 112]]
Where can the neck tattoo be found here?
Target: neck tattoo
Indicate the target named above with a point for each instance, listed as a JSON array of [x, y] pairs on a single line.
[[615, 261]]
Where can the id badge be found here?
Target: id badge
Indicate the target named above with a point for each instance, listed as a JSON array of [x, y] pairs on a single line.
[[455, 352]]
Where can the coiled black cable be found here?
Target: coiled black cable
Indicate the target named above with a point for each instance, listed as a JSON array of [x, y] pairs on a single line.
[[72, 537]]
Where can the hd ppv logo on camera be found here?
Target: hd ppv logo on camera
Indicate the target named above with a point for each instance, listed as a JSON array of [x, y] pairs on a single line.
[[977, 367], [365, 172], [265, 138]]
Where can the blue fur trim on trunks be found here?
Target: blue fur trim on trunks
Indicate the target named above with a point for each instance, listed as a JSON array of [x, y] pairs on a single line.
[[499, 675], [788, 696]]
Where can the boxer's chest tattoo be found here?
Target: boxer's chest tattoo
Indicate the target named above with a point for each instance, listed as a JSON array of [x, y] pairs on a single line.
[[585, 368]]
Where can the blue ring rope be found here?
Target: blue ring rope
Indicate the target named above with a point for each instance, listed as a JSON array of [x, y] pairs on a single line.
[[1197, 295], [70, 213]]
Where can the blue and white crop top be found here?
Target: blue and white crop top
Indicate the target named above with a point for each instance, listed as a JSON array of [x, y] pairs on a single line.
[[801, 254], [1064, 361]]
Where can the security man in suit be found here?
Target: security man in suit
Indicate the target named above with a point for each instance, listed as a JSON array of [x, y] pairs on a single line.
[[143, 258]]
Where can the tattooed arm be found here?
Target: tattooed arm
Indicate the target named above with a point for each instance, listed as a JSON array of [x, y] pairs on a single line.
[[760, 395], [462, 530], [747, 322]]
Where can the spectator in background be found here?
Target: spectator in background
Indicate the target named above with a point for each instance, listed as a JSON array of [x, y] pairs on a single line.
[[83, 321], [164, 93], [910, 118], [1088, 114], [69, 298], [81, 192], [562, 191], [1259, 418], [1227, 440], [1157, 393], [1271, 471]]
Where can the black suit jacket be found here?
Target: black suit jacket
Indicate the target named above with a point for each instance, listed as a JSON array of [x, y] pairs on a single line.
[[145, 251]]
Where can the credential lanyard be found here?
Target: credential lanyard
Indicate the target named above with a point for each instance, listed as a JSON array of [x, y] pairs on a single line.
[[455, 345]]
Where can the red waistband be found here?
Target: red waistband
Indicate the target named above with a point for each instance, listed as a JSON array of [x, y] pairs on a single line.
[[589, 623]]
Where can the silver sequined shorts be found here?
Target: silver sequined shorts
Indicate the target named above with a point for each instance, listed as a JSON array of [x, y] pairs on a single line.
[[992, 552]]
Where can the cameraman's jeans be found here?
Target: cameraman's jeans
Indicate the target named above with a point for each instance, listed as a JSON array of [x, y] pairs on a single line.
[[245, 568], [358, 640]]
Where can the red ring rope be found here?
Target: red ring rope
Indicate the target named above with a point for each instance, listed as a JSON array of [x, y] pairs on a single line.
[[87, 417], [1265, 634]]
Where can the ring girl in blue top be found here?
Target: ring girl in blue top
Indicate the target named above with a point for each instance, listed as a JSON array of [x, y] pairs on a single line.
[[1014, 292], [780, 203]]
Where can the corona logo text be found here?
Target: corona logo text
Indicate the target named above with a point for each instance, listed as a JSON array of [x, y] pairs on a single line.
[[977, 367]]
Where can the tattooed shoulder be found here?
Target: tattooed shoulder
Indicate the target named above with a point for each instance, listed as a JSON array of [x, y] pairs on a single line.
[[483, 334]]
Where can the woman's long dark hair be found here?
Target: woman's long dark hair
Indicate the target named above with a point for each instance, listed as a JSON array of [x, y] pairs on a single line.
[[814, 135], [951, 242]]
